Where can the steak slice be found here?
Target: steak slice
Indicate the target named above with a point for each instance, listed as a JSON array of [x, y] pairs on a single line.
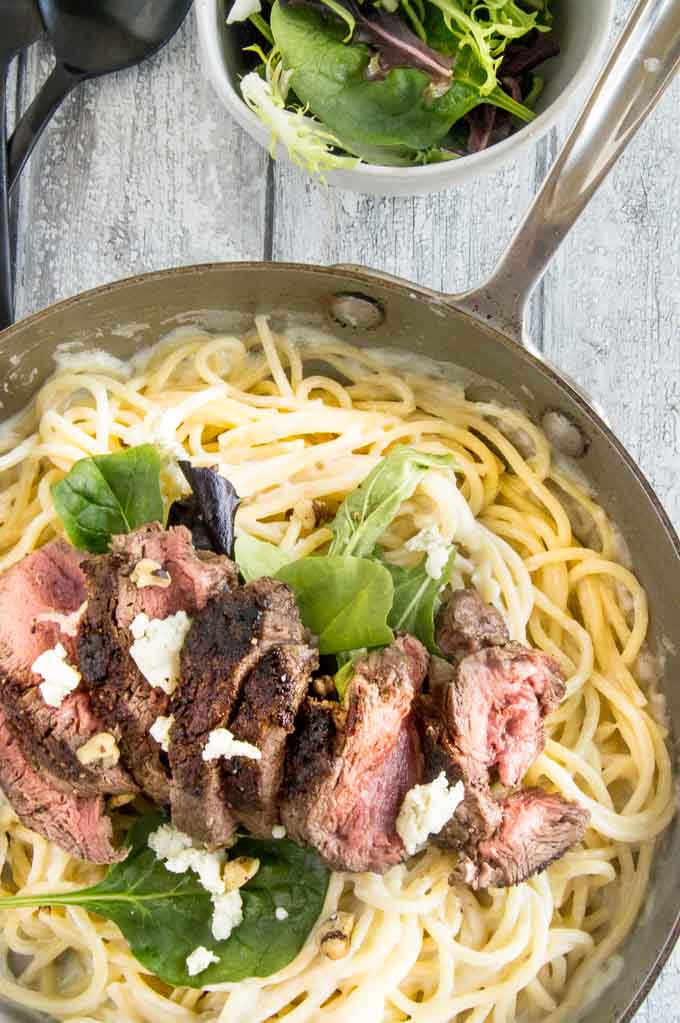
[[478, 815], [120, 694], [348, 770], [76, 823], [42, 600], [225, 645], [270, 699], [495, 706], [537, 828], [466, 624]]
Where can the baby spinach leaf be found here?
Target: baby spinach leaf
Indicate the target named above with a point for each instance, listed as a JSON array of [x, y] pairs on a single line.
[[257, 558], [165, 916], [344, 601], [210, 511], [395, 44], [367, 511], [399, 110], [109, 494], [416, 600]]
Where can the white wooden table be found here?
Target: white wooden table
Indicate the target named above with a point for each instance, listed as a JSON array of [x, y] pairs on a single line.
[[145, 170]]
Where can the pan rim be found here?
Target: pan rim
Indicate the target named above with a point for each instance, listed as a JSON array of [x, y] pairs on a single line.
[[370, 277]]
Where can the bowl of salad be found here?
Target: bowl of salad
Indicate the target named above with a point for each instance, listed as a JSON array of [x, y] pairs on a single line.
[[401, 96]]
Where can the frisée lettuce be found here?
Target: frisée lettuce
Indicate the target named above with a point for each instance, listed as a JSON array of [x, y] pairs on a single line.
[[394, 81]]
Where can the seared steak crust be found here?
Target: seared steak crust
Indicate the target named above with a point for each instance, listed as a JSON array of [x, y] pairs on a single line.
[[270, 698], [537, 828], [41, 604], [121, 695], [224, 645], [76, 823], [348, 770], [466, 624]]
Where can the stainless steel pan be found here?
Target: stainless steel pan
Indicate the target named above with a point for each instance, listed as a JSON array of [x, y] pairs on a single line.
[[480, 332]]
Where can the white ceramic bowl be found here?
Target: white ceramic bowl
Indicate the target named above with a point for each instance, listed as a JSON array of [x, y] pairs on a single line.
[[582, 26]]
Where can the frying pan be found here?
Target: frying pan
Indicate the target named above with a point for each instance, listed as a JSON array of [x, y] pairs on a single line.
[[481, 334]]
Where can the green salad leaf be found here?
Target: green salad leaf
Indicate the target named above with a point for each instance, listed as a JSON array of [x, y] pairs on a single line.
[[483, 29], [416, 600], [342, 677], [365, 513], [109, 494], [398, 110], [165, 916], [257, 558], [345, 601]]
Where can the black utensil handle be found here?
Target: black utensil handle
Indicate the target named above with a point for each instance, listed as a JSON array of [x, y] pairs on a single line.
[[6, 277], [35, 119]]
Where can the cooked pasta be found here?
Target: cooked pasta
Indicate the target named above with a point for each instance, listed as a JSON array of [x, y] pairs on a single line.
[[291, 443]]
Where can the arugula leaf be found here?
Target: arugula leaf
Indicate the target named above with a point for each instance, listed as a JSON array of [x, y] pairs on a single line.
[[416, 600], [365, 513], [165, 916], [344, 601], [109, 494], [397, 111], [257, 558]]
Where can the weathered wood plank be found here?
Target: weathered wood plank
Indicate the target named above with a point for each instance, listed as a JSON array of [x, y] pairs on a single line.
[[613, 306], [448, 240], [138, 171]]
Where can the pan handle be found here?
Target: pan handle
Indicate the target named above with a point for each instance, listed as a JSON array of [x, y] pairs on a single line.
[[641, 66]]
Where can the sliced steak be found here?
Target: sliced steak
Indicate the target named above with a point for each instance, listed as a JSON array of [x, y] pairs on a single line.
[[478, 815], [349, 767], [537, 828], [270, 699], [42, 601], [120, 694], [76, 823], [465, 625], [495, 706], [220, 674]]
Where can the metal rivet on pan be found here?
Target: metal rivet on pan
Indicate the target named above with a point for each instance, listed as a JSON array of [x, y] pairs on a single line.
[[564, 434], [360, 312]]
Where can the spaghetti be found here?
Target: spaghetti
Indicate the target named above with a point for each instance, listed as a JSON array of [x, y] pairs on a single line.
[[293, 443]]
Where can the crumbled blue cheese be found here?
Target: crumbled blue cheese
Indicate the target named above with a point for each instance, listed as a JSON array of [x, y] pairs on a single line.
[[60, 677], [168, 841], [222, 743], [278, 831], [280, 913], [218, 876], [180, 855], [436, 548], [160, 731], [199, 960], [227, 914], [242, 9], [425, 811], [156, 648]]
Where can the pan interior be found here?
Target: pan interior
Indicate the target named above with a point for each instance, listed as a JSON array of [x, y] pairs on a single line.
[[123, 318]]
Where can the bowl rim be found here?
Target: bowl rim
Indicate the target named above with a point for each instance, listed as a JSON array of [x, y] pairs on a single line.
[[443, 174]]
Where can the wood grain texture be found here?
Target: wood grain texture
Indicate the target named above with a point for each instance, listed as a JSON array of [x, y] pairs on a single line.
[[138, 171], [145, 170]]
